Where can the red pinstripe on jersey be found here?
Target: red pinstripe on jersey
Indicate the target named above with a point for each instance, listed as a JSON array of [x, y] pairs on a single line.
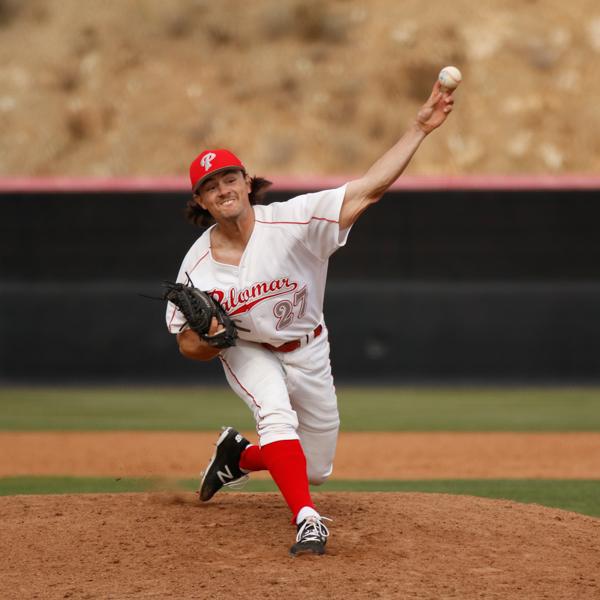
[[199, 261], [296, 222], [191, 271], [172, 316], [240, 383]]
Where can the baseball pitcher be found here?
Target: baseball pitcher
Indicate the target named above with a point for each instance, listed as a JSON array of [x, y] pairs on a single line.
[[250, 293]]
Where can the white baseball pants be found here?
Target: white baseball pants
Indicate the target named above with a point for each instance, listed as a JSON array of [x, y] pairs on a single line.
[[291, 396]]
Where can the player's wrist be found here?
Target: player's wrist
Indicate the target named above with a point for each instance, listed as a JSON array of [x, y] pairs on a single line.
[[419, 129]]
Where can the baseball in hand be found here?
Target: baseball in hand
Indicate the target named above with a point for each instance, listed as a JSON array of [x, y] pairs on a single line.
[[450, 77]]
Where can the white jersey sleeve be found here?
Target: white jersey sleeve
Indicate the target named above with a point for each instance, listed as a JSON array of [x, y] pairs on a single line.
[[317, 215], [196, 255]]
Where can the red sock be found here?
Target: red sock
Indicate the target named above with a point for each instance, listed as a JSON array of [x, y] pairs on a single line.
[[252, 460], [287, 464]]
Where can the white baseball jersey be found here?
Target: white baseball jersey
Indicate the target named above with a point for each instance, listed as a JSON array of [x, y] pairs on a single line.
[[276, 293]]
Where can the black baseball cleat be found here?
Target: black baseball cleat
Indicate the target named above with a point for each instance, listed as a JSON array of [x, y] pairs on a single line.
[[311, 538], [224, 466]]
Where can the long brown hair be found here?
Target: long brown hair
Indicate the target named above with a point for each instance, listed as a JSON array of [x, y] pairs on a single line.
[[195, 214]]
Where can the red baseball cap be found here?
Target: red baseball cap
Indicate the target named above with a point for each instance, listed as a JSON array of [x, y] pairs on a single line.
[[210, 162]]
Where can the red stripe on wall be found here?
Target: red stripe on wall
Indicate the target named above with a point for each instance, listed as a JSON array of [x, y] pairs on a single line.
[[301, 184]]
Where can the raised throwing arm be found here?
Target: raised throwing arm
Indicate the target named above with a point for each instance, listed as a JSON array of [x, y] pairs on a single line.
[[362, 192]]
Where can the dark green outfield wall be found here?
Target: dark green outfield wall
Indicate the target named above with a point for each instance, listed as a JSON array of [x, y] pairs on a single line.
[[437, 286]]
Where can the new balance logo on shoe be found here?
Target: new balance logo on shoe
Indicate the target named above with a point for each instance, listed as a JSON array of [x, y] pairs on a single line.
[[223, 468], [225, 475]]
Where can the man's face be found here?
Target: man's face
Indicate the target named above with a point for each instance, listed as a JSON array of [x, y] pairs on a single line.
[[225, 195]]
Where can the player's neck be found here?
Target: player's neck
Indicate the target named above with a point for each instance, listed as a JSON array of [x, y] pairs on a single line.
[[235, 232]]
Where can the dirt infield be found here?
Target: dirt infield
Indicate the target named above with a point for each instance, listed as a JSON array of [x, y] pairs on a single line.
[[359, 455], [383, 545]]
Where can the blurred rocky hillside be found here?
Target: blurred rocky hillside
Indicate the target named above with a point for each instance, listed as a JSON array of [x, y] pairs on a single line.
[[139, 87]]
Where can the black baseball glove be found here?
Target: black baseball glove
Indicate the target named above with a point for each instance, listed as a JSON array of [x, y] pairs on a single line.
[[199, 308]]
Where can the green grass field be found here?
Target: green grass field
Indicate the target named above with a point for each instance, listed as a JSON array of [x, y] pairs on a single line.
[[361, 408], [581, 496]]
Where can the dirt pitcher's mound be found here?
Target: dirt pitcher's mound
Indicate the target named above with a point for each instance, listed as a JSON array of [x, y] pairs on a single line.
[[383, 545]]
